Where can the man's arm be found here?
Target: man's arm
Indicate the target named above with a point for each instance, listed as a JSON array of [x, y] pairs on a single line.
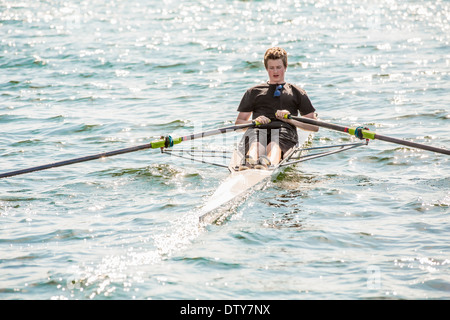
[[244, 117], [304, 126]]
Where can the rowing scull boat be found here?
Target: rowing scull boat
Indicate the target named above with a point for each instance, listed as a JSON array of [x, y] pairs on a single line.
[[238, 184]]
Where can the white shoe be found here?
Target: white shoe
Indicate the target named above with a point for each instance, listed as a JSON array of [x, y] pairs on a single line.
[[264, 160], [243, 167], [261, 167], [263, 163], [250, 161]]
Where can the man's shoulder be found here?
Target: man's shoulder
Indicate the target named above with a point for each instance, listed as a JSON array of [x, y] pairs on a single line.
[[256, 90], [297, 88]]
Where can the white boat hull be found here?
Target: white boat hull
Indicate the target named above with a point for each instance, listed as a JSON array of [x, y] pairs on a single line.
[[236, 186]]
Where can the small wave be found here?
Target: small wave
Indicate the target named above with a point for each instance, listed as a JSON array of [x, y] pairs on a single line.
[[437, 114], [58, 118], [289, 220], [171, 66], [13, 199], [250, 65], [57, 235], [160, 175], [5, 118], [23, 62], [28, 142], [70, 129], [20, 258], [168, 126], [160, 171], [205, 261]]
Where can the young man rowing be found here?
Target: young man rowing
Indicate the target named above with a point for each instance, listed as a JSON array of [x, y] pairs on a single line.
[[267, 104]]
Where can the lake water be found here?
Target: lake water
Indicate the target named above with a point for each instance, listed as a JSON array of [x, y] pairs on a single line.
[[84, 77]]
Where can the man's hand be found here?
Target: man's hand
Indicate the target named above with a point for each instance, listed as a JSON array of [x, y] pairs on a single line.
[[280, 114], [262, 120]]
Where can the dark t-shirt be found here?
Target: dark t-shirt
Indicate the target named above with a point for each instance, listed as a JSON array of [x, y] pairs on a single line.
[[261, 101]]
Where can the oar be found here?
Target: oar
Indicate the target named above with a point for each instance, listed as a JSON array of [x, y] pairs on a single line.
[[164, 142], [366, 134]]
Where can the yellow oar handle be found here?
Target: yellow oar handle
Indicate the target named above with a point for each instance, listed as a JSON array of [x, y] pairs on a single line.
[[257, 123]]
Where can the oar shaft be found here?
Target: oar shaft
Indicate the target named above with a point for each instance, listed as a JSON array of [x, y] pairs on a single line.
[[412, 144], [320, 123], [216, 131], [366, 134], [76, 160], [161, 143]]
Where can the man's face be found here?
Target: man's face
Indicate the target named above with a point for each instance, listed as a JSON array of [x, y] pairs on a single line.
[[276, 71]]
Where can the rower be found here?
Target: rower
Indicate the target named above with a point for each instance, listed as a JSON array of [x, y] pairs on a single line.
[[269, 104]]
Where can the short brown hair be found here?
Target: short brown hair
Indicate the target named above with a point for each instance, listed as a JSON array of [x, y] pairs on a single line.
[[274, 54]]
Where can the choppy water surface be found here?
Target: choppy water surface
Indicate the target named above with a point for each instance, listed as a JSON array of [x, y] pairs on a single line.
[[84, 77]]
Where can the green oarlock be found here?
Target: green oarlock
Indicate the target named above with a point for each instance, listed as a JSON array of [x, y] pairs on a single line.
[[365, 133], [161, 143], [166, 142]]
